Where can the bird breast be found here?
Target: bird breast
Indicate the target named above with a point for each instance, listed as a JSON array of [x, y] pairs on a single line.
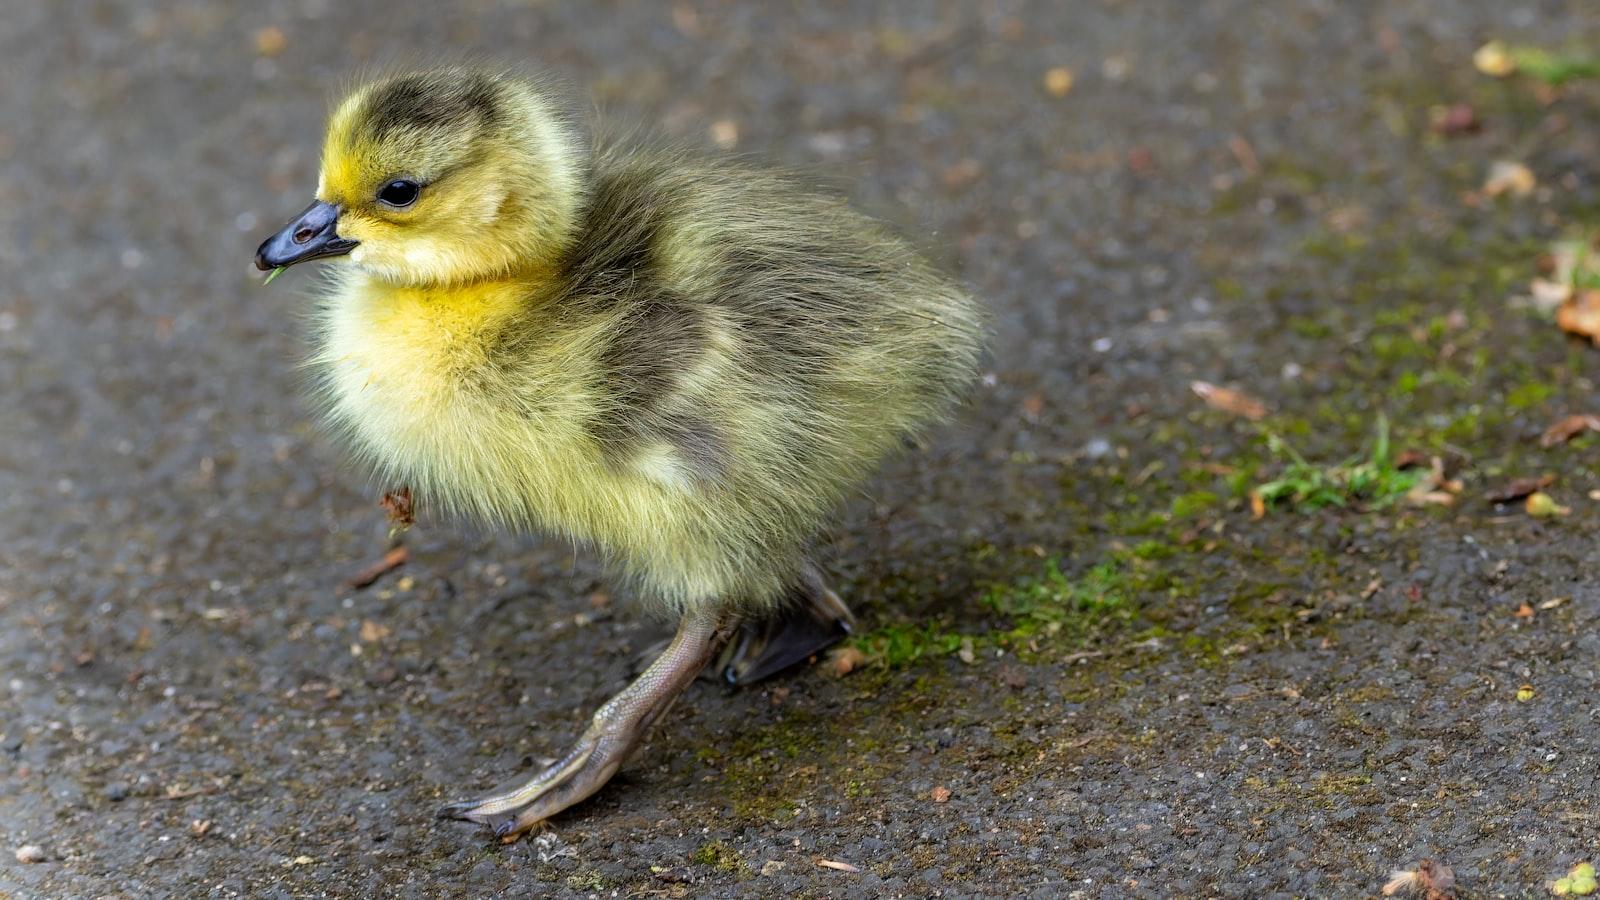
[[418, 383]]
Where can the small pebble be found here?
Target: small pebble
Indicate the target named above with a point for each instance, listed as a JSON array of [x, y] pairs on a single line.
[[1097, 448], [32, 853], [271, 41], [116, 791], [846, 660], [1058, 81]]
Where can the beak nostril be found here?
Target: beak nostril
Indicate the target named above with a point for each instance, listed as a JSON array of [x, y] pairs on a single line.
[[311, 235]]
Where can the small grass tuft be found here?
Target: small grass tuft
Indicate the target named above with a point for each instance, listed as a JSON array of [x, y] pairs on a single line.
[[1555, 68], [1373, 483], [1576, 262], [899, 645], [1194, 503]]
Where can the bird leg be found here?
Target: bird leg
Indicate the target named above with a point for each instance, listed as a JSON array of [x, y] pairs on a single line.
[[616, 730]]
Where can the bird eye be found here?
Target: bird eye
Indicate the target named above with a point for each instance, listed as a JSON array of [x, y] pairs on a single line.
[[399, 193]]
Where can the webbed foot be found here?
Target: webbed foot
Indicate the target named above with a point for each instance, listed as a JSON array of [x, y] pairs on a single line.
[[812, 619], [615, 732]]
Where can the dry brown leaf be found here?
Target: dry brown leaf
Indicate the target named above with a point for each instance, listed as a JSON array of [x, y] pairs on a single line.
[[1553, 602], [1432, 498], [1524, 611], [962, 173], [1258, 506], [836, 865], [1032, 406], [1437, 880], [1245, 155], [1547, 296], [1229, 400], [1569, 427], [1517, 488], [1434, 881], [940, 794], [1559, 270], [400, 508], [372, 632], [1580, 314], [1410, 459], [271, 40], [1509, 177], [1453, 120], [1435, 488]]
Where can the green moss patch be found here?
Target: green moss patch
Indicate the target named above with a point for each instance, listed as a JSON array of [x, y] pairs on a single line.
[[1371, 482]]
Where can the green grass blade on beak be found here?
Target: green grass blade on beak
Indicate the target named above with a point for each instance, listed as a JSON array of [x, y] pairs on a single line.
[[273, 274]]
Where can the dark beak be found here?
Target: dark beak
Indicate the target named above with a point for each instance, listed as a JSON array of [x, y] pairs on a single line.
[[312, 235]]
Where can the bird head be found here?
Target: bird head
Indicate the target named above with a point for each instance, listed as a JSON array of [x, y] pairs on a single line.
[[439, 177]]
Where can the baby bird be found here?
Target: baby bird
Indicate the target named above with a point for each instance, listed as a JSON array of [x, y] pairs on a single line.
[[684, 363]]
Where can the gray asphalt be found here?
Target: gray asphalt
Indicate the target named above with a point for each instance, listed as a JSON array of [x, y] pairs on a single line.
[[193, 704]]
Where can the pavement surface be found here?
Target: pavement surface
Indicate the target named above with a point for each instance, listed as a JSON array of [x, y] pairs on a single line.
[[194, 703]]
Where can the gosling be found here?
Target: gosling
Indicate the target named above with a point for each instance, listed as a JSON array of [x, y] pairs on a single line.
[[685, 363]]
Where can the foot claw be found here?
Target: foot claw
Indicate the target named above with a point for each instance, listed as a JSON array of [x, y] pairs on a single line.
[[458, 810], [467, 811], [541, 797], [503, 826]]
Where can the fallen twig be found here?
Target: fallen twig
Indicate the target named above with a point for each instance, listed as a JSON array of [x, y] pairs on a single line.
[[392, 560]]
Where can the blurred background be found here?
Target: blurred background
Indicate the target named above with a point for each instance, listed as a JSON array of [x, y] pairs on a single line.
[[1258, 563]]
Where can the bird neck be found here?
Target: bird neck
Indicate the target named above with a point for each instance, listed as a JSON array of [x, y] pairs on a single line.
[[426, 315]]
